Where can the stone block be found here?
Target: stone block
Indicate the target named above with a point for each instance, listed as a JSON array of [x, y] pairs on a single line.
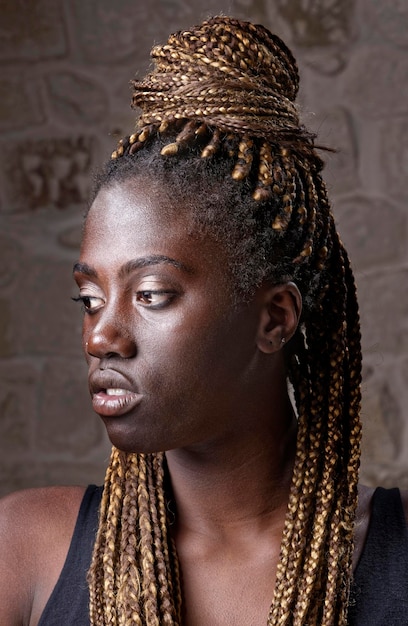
[[383, 297], [394, 156], [384, 475], [377, 446], [375, 82], [335, 130], [11, 259], [382, 417], [43, 173], [27, 473], [31, 30], [19, 104], [76, 98], [18, 406], [71, 237], [44, 319], [374, 230], [109, 33], [66, 425], [17, 474], [6, 347], [385, 432], [78, 473], [174, 15]]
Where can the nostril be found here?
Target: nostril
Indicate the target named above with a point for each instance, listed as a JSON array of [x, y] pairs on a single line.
[[110, 344]]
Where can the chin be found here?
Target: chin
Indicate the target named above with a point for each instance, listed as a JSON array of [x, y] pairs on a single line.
[[131, 442]]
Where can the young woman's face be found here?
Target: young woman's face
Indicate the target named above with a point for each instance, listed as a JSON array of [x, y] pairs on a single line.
[[171, 359]]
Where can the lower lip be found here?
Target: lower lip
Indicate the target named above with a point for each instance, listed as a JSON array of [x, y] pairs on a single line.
[[112, 406]]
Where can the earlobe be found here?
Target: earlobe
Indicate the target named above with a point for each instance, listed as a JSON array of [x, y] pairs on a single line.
[[280, 314]]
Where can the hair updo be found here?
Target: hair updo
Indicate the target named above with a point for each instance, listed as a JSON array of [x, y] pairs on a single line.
[[218, 120]]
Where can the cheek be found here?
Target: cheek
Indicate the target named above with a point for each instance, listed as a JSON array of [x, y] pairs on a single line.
[[190, 363], [178, 361]]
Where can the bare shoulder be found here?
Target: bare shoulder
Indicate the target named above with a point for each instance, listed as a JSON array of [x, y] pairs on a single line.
[[36, 528], [39, 514]]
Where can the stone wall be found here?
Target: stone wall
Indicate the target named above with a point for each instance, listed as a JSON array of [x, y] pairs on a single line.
[[65, 68]]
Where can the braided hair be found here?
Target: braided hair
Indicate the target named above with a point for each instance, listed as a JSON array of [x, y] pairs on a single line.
[[219, 107]]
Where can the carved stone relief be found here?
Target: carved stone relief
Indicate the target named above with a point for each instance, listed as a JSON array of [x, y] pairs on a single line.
[[49, 172], [315, 24]]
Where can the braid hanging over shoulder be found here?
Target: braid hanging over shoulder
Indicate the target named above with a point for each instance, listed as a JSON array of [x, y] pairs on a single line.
[[227, 88]]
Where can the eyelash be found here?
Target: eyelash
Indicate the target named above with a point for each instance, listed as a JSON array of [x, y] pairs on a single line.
[[85, 308], [148, 293], [145, 293]]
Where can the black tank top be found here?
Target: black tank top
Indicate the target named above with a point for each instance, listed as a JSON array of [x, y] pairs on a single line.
[[379, 595], [68, 604]]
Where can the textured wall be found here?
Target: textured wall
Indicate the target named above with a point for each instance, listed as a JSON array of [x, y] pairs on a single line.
[[64, 72]]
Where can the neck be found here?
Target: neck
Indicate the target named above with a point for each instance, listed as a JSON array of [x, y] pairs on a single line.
[[243, 481]]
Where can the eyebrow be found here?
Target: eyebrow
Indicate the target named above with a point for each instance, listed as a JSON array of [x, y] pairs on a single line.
[[134, 264], [84, 268], [154, 259]]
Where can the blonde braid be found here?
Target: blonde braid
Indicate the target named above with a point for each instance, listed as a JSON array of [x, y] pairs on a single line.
[[227, 89], [131, 550], [129, 583]]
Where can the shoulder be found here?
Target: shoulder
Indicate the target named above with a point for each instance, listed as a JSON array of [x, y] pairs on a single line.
[[404, 498], [39, 514], [36, 528]]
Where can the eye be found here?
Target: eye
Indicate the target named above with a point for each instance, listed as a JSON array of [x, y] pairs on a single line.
[[89, 303], [154, 298]]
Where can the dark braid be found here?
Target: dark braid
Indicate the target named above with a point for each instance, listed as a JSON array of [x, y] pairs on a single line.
[[218, 112]]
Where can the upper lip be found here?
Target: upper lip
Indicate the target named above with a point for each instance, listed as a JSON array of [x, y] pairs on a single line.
[[100, 380]]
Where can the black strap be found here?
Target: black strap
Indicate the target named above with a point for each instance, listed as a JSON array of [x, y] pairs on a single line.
[[379, 593], [69, 601]]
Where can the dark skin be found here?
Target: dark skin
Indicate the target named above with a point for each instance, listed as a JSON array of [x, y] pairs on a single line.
[[175, 366]]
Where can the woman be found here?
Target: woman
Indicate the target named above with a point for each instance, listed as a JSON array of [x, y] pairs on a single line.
[[222, 336]]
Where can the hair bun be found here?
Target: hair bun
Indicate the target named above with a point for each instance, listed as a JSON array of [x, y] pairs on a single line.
[[231, 74], [241, 49]]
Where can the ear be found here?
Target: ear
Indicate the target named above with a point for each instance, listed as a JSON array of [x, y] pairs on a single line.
[[281, 306]]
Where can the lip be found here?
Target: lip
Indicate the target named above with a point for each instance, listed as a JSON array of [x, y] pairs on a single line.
[[113, 405], [122, 396]]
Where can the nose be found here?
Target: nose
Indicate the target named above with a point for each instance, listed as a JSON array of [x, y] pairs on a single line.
[[109, 338]]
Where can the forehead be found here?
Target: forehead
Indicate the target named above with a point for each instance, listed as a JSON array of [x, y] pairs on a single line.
[[138, 218], [131, 203]]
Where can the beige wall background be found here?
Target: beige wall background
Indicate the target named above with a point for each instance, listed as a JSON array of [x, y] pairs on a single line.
[[64, 73]]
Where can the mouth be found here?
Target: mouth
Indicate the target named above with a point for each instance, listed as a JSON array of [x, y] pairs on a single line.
[[112, 393], [114, 401]]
